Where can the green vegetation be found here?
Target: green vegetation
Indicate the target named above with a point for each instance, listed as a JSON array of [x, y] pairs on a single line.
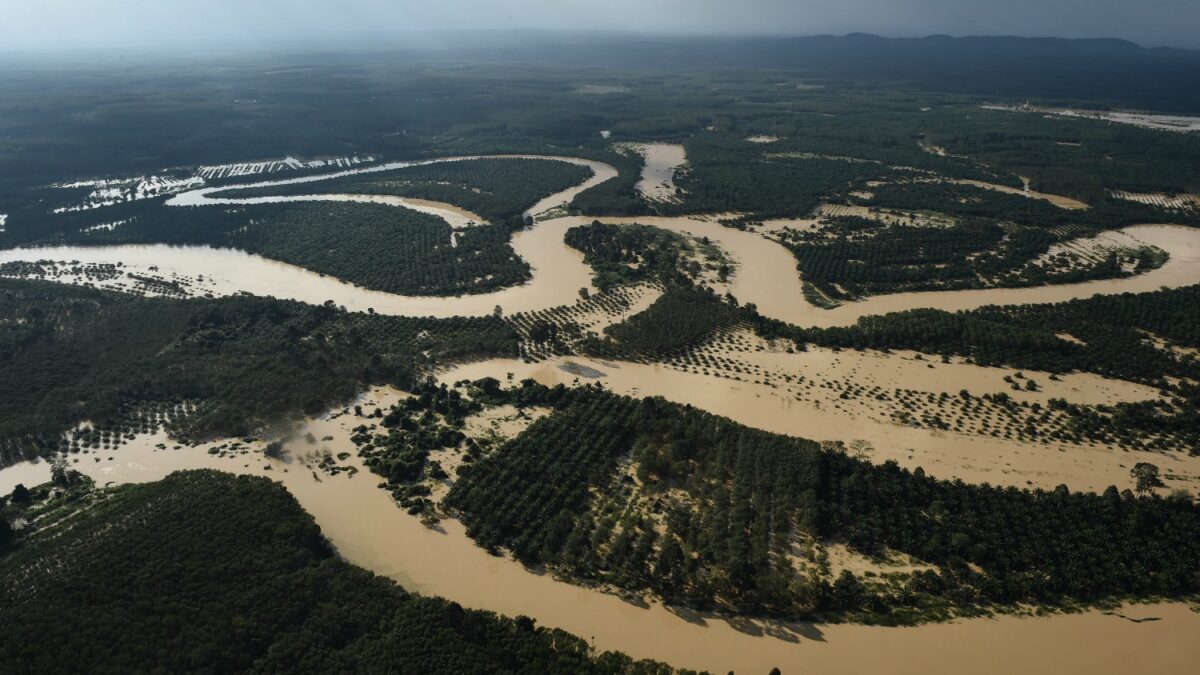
[[1138, 337], [1075, 157], [499, 189], [168, 119], [850, 257], [431, 419], [379, 247], [204, 571], [68, 354], [382, 248], [643, 496], [729, 175], [617, 196], [1114, 334], [969, 201], [650, 495], [620, 254], [682, 317]]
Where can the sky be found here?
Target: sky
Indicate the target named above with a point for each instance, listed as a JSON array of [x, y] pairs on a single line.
[[73, 24]]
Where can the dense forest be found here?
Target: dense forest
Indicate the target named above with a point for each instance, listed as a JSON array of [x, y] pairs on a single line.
[[851, 257], [682, 317], [68, 354], [968, 201], [1079, 158], [651, 495], [617, 196], [379, 247], [833, 136], [204, 571], [726, 174], [621, 254]]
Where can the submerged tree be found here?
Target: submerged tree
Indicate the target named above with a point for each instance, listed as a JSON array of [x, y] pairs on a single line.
[[1146, 476], [20, 494]]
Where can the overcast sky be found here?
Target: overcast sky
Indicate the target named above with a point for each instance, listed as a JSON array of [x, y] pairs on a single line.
[[54, 24]]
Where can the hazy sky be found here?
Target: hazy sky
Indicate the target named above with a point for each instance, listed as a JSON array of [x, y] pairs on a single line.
[[41, 24]]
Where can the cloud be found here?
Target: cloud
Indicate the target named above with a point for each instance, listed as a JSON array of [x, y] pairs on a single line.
[[57, 24]]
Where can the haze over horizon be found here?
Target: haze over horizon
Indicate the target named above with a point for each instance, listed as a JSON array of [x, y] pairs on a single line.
[[53, 25]]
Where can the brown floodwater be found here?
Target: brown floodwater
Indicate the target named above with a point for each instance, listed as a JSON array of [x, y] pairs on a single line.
[[1181, 269], [658, 173], [558, 270], [28, 474], [368, 529], [600, 173], [766, 275], [1057, 200], [942, 454], [766, 271]]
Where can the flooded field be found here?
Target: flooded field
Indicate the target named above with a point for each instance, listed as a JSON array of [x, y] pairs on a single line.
[[600, 173], [795, 394], [1179, 123], [559, 273], [23, 473], [1181, 269], [774, 286], [1057, 200], [1168, 202], [658, 175], [775, 407], [368, 529], [772, 282]]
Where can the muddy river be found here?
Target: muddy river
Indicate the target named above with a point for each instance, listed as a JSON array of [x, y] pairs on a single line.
[[766, 275], [368, 529]]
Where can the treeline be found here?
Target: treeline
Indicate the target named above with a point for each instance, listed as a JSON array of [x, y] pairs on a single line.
[[68, 354], [864, 257], [211, 572], [1112, 334], [850, 257], [620, 254], [715, 512], [726, 174], [384, 248], [1071, 156], [681, 317], [616, 196], [874, 129], [968, 201], [499, 189], [1145, 338], [379, 247]]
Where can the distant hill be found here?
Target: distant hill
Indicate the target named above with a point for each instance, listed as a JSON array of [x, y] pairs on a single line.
[[1056, 70]]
